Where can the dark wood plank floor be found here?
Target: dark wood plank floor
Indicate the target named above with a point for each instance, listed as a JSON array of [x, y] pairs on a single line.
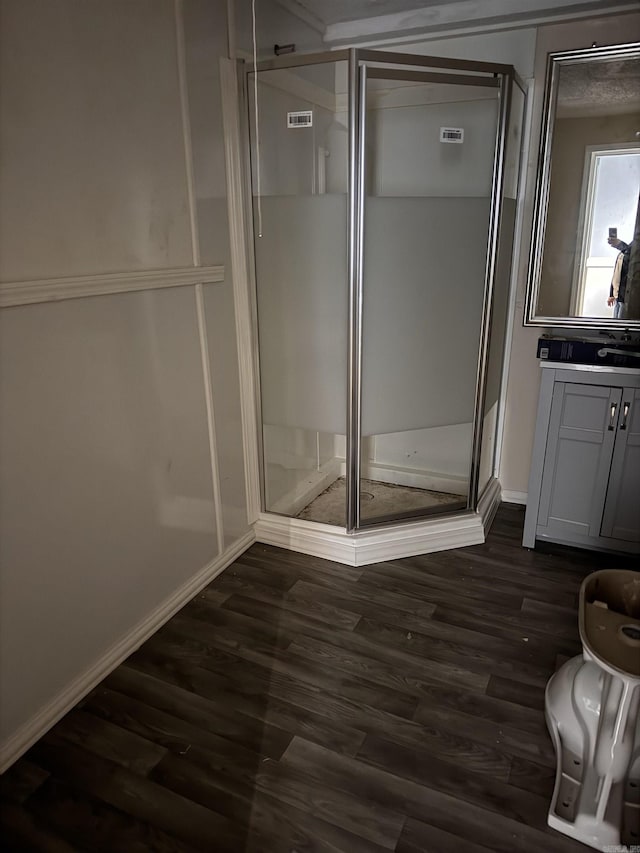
[[300, 705]]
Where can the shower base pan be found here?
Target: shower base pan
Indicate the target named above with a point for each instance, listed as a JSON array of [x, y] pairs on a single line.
[[377, 499]]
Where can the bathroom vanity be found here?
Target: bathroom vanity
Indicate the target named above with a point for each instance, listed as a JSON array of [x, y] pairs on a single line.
[[584, 487]]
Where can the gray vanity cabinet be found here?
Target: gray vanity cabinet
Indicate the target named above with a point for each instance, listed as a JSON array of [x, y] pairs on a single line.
[[621, 518], [584, 487]]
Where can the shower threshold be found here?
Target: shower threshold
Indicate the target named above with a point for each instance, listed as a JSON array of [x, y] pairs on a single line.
[[378, 500]]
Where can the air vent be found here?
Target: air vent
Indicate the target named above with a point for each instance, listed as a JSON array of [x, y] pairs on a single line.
[[301, 118], [451, 134]]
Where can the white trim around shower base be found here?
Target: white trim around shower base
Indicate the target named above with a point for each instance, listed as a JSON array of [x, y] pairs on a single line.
[[392, 542]]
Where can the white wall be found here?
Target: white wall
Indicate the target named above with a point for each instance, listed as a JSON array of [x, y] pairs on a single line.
[[122, 483], [524, 379], [274, 25], [64, 129]]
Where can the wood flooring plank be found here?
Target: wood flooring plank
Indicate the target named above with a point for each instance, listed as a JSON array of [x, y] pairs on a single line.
[[298, 600], [258, 807], [548, 561], [530, 695], [456, 653], [525, 650], [498, 555], [351, 712], [109, 741], [273, 555], [247, 570], [285, 618], [22, 832], [309, 607], [311, 721], [538, 616], [515, 629], [418, 765], [422, 679], [89, 824], [407, 579], [137, 796], [283, 677], [282, 574], [214, 595], [174, 734], [228, 640], [501, 737], [447, 671], [347, 811], [20, 781], [464, 568], [437, 737], [223, 618], [419, 837], [216, 715], [533, 776], [498, 832], [398, 609]]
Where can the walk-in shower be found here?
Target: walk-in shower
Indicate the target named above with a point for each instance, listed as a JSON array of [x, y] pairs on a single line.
[[384, 194]]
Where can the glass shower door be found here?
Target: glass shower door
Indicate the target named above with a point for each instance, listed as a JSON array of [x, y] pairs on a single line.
[[299, 178], [429, 143]]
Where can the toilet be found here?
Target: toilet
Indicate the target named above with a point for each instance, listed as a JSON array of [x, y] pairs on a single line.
[[591, 707]]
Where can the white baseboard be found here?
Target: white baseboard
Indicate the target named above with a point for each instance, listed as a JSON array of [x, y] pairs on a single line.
[[514, 497], [47, 716]]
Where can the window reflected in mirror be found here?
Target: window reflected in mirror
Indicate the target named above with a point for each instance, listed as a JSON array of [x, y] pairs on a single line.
[[584, 261], [609, 195]]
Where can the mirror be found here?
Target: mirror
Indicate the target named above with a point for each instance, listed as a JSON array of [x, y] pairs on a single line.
[[584, 268]]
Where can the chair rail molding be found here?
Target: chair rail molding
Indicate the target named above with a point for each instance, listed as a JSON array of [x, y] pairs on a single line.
[[14, 293]]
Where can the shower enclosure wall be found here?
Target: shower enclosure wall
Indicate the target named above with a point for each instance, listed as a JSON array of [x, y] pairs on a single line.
[[384, 190]]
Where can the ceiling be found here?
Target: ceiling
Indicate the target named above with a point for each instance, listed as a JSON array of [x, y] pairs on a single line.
[[339, 11], [350, 21], [607, 87]]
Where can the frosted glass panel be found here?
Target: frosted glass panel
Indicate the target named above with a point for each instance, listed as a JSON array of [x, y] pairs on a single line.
[[426, 221], [424, 281], [501, 288], [300, 227], [302, 301]]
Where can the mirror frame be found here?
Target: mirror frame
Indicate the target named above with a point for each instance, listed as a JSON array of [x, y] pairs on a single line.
[[555, 61]]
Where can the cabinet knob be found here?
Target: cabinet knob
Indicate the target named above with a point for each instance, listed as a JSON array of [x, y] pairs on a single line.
[[625, 414], [612, 416]]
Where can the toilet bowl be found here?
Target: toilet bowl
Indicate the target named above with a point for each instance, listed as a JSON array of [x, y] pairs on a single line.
[[591, 707]]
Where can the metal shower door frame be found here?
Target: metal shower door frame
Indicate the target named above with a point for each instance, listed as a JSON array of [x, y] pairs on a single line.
[[364, 64]]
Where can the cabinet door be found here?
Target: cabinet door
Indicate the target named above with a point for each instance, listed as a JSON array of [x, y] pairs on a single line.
[[582, 430], [621, 518]]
